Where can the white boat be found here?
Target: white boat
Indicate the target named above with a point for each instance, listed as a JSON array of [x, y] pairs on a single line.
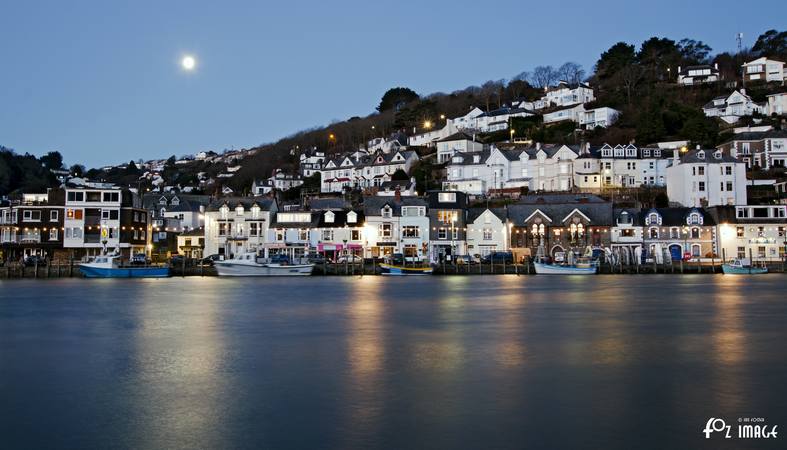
[[556, 269], [246, 265]]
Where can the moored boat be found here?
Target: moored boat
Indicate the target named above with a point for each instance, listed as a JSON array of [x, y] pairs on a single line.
[[246, 265], [390, 269], [108, 266], [742, 267], [557, 269]]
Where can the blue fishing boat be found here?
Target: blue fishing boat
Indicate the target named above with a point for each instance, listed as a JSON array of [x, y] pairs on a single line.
[[108, 266], [390, 269], [742, 267]]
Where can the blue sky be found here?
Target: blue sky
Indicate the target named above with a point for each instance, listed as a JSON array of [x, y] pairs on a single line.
[[102, 84]]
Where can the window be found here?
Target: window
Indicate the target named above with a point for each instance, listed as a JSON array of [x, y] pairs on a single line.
[[455, 233], [53, 234], [355, 235], [352, 217], [446, 197], [487, 234], [329, 217], [654, 233], [386, 212], [728, 170], [695, 251], [254, 229], [225, 229], [327, 235], [31, 216], [627, 232], [741, 252], [75, 196], [111, 197], [303, 234], [729, 186], [53, 216], [702, 186], [695, 233], [442, 233], [447, 216], [280, 234], [410, 232], [674, 233], [386, 230]]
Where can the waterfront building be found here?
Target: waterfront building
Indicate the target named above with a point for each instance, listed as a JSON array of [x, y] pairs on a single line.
[[100, 217], [678, 233], [751, 231], [487, 231], [552, 224], [448, 226], [701, 178], [170, 214], [627, 236], [293, 233], [32, 225], [396, 225], [238, 224], [191, 244], [339, 232]]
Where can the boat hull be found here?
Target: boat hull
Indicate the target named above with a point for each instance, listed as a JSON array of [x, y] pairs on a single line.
[[732, 270], [388, 269], [551, 269], [231, 269], [123, 272]]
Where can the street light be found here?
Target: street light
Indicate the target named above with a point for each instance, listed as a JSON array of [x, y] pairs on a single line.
[[427, 124], [512, 134]]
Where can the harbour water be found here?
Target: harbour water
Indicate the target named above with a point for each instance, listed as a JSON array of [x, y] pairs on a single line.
[[375, 362]]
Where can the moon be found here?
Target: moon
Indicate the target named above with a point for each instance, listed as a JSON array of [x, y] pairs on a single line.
[[188, 62]]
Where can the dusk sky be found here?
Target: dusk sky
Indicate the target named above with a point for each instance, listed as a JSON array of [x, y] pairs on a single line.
[[102, 83]]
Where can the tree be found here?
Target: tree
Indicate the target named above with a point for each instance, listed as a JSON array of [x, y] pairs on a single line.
[[52, 161], [77, 170], [543, 76], [693, 52], [396, 98], [571, 72], [613, 60], [631, 75], [658, 54], [772, 44], [132, 169]]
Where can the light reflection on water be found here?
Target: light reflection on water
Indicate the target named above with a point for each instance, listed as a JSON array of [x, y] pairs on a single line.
[[374, 362]]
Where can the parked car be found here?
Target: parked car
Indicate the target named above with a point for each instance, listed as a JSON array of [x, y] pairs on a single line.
[[349, 259], [498, 258], [316, 258], [33, 260], [139, 259], [465, 259], [209, 260], [280, 259], [177, 261]]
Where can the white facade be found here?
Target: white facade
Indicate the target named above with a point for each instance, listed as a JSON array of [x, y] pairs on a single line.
[[487, 233], [237, 225], [373, 171], [562, 95], [310, 162], [764, 69], [777, 104], [458, 143], [732, 107], [756, 232], [706, 178], [693, 75], [598, 117]]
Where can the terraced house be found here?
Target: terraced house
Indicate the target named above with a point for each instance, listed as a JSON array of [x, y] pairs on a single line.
[[32, 225]]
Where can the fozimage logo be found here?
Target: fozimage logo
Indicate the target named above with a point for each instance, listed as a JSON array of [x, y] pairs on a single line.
[[747, 428]]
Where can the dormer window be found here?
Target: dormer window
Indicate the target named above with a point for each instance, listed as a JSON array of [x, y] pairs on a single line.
[[694, 219], [329, 216], [239, 210], [717, 155], [657, 153], [653, 219], [162, 201], [352, 217], [624, 218], [606, 152], [476, 159], [386, 211], [175, 201], [701, 154]]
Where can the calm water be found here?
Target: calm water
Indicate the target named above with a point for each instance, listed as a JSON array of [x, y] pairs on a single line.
[[421, 362]]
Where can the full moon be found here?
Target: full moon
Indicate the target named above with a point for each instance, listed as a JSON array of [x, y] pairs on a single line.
[[188, 62]]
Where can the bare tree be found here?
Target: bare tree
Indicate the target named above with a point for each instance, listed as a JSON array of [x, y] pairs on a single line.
[[571, 72], [543, 76], [631, 75]]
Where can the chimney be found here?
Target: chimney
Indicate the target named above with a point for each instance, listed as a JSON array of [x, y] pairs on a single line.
[[698, 147], [678, 70], [398, 194], [716, 66], [538, 146]]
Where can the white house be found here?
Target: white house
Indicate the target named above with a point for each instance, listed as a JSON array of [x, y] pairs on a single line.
[[598, 117], [486, 231], [777, 104], [764, 69], [371, 171], [730, 108], [237, 224], [701, 178], [466, 121], [703, 73], [310, 162], [749, 231], [621, 166], [396, 225], [564, 94], [459, 142]]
